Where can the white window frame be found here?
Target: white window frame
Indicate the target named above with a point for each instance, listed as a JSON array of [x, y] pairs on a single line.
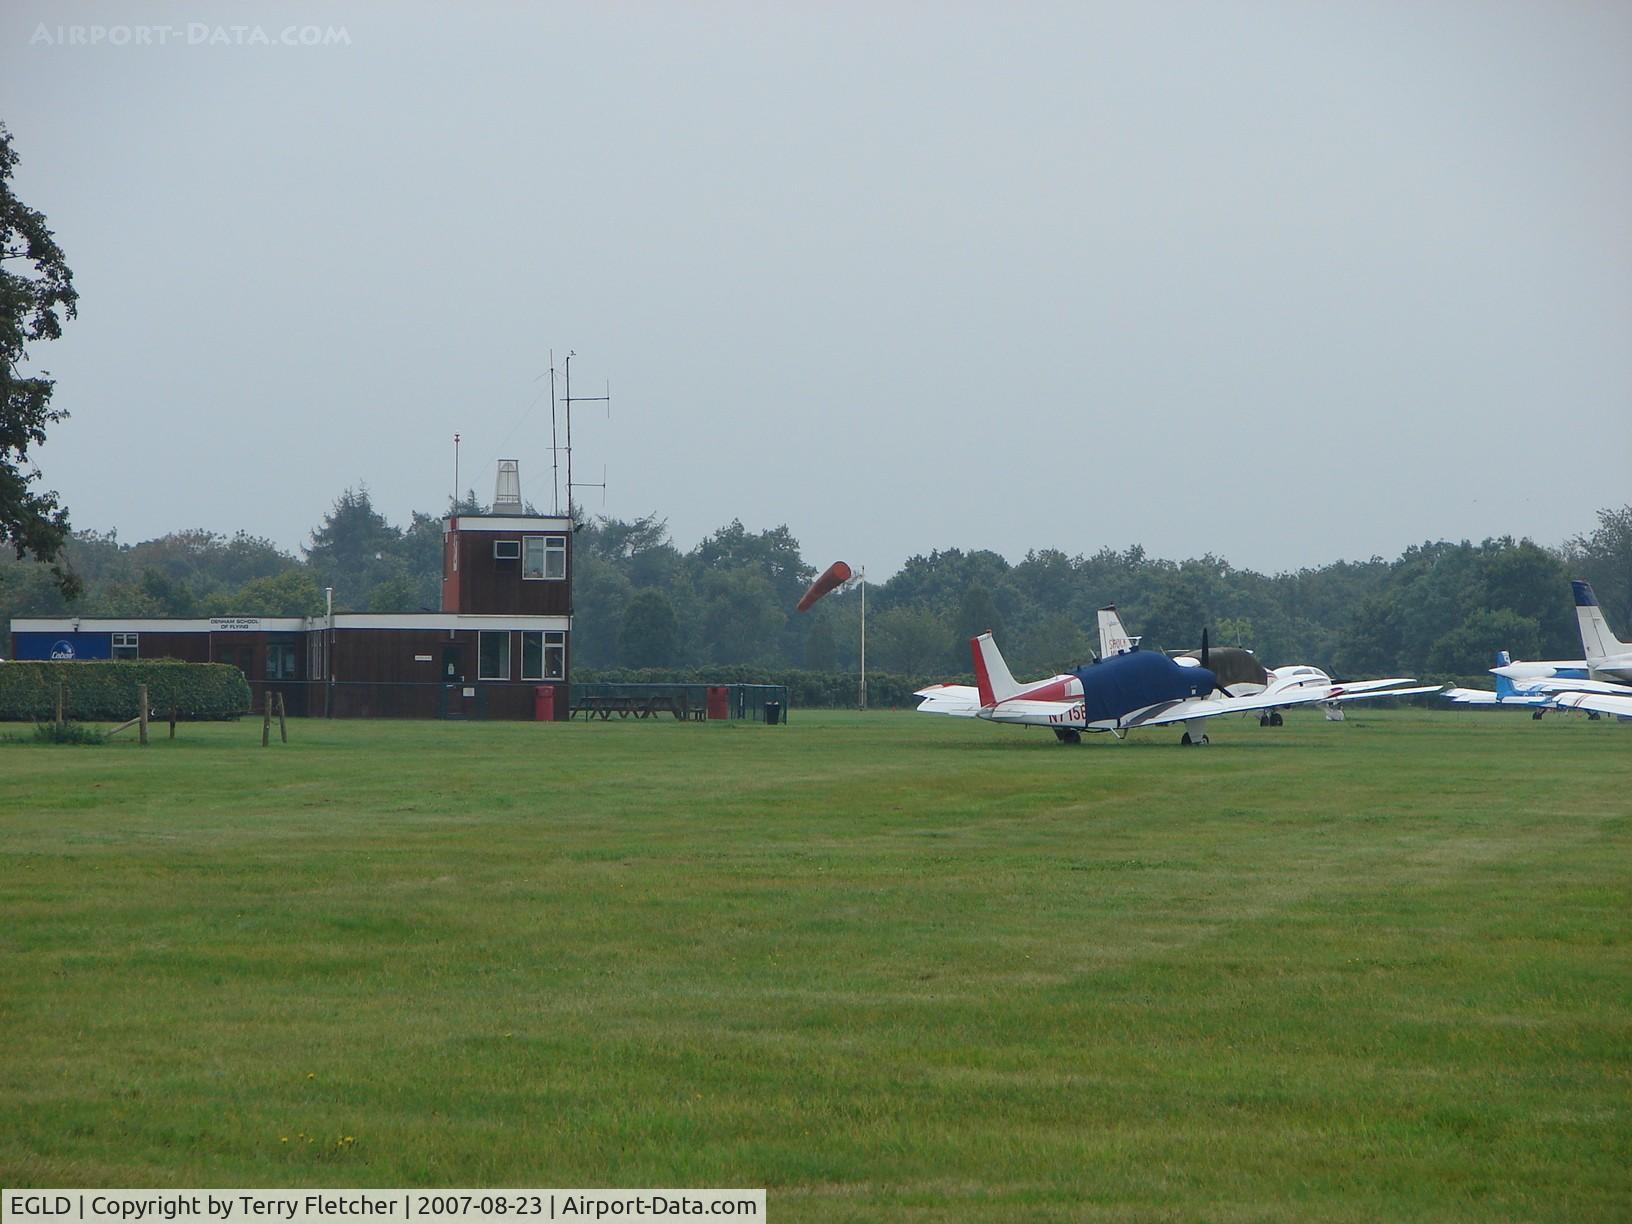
[[548, 640], [555, 639], [507, 555], [481, 655], [551, 546], [125, 641]]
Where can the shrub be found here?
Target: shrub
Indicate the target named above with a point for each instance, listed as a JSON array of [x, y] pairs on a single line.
[[66, 733], [105, 691]]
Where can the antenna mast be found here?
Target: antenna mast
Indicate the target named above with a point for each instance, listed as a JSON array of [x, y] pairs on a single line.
[[453, 507], [569, 400], [555, 448]]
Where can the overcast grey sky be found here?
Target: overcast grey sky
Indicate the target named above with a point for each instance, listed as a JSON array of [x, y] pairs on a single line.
[[1287, 282]]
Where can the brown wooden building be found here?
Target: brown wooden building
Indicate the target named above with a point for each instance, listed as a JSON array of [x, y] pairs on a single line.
[[500, 648]]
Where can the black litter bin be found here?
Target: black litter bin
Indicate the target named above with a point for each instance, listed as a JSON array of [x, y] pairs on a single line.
[[773, 713]]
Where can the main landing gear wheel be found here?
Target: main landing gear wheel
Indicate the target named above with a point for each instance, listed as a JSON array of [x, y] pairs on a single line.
[[1593, 716], [1188, 742], [1537, 715], [1067, 735], [1275, 718], [1263, 720]]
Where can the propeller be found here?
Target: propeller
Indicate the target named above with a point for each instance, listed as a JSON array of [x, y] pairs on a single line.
[[1206, 662]]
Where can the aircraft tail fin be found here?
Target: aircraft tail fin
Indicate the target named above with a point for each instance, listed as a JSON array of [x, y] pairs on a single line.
[[1505, 688], [1597, 642], [1113, 638], [992, 675]]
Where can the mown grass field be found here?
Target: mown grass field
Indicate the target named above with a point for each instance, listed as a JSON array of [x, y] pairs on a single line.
[[884, 965]]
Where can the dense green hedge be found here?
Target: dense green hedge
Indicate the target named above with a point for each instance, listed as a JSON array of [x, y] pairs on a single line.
[[105, 691], [807, 690]]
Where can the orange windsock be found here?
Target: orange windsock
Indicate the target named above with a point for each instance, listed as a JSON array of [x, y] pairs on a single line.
[[834, 575]]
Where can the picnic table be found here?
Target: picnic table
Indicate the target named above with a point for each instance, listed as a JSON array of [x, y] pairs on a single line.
[[605, 705]]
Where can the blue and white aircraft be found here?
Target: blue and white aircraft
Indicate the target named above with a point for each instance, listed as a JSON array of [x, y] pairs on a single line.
[[1516, 684], [1601, 683], [1136, 688], [1247, 676]]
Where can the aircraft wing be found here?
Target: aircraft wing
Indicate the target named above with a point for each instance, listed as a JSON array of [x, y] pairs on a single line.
[[1481, 697], [1599, 703], [1212, 707], [956, 700], [1348, 691], [1366, 686], [1035, 713], [1599, 687]]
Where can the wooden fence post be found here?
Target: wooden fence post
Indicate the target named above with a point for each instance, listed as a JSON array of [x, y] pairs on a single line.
[[60, 697], [141, 713], [266, 723], [283, 726], [173, 712]]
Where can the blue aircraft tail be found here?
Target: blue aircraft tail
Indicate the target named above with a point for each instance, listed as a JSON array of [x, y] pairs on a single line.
[[1505, 688]]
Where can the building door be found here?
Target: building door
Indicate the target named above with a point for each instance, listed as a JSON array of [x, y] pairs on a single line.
[[454, 703]]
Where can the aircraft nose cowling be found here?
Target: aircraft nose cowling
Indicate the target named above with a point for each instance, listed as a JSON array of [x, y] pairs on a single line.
[[1201, 681]]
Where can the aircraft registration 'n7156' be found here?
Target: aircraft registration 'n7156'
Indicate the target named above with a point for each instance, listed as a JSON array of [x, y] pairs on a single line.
[[1136, 688]]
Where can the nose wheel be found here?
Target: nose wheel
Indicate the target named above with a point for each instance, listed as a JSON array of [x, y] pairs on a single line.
[[1068, 735], [1190, 742]]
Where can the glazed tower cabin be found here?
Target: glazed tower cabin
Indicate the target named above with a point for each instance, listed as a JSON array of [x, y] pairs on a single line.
[[499, 647]]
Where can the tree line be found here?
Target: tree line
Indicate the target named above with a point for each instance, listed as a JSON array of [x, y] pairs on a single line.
[[1439, 609]]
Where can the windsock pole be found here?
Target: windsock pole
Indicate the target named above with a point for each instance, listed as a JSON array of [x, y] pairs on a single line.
[[861, 700]]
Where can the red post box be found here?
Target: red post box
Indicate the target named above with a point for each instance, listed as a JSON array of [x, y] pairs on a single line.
[[544, 703], [719, 701]]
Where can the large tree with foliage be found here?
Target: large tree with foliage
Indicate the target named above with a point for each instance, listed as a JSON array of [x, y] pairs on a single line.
[[353, 550], [36, 295]]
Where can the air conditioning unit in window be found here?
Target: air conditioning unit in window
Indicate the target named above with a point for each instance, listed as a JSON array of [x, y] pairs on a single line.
[[507, 550]]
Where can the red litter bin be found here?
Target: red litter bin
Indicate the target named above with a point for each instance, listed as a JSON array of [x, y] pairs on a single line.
[[719, 701], [544, 703]]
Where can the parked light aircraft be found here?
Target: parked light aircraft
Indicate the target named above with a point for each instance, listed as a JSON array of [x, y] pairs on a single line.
[[1601, 683], [1245, 675], [1136, 688], [1516, 685]]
